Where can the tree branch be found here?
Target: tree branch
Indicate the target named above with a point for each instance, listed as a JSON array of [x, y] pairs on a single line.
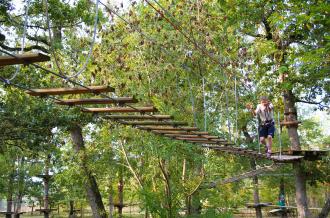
[[37, 47]]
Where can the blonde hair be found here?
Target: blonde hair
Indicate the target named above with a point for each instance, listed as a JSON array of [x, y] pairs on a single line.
[[263, 98]]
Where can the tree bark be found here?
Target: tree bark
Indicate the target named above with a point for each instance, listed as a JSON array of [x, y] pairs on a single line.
[[110, 200], [93, 193], [300, 176], [168, 190], [71, 211], [10, 192], [256, 191], [46, 187], [120, 195], [21, 177]]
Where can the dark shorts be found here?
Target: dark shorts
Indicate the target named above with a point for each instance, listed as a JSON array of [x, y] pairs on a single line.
[[265, 131]]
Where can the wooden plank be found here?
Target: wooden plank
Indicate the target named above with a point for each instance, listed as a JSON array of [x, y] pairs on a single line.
[[200, 139], [178, 131], [74, 90], [252, 205], [154, 123], [192, 136], [120, 100], [26, 58], [286, 158], [119, 110], [289, 123], [187, 128], [182, 136], [199, 142], [138, 117]]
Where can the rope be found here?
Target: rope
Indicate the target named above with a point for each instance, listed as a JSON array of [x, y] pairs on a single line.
[[71, 81], [90, 48], [23, 37], [178, 28], [92, 43], [279, 132], [236, 111], [52, 50], [191, 98], [227, 114], [204, 104], [258, 127], [244, 175]]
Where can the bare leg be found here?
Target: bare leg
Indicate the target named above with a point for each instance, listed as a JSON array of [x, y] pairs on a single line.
[[263, 140], [270, 143]]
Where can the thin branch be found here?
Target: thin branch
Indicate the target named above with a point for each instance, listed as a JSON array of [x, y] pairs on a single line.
[[37, 47], [130, 166]]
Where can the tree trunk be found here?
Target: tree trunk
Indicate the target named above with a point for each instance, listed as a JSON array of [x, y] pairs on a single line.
[[71, 212], [93, 193], [256, 191], [168, 190], [10, 192], [110, 200], [120, 195], [21, 178], [325, 210], [300, 177], [46, 187], [32, 208]]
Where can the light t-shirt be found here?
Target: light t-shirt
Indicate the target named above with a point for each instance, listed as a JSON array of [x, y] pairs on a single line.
[[265, 113]]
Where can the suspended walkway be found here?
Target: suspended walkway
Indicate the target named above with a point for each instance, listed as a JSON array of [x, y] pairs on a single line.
[[161, 124]]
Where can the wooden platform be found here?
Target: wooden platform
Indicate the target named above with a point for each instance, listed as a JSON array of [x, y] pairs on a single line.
[[310, 155], [120, 110], [154, 123], [26, 58], [252, 205], [120, 100], [66, 91], [138, 117]]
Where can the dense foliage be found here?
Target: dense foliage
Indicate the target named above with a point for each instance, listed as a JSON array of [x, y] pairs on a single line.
[[221, 56]]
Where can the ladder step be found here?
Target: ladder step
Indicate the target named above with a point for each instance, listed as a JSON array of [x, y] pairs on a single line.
[[154, 123], [120, 110], [74, 90], [179, 131], [138, 117], [168, 128], [120, 100], [26, 58]]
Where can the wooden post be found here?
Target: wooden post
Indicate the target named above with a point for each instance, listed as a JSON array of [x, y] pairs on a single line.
[[71, 210], [120, 194], [10, 191], [32, 208], [256, 191], [46, 187]]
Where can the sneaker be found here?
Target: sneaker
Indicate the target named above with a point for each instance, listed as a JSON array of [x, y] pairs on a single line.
[[269, 153]]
